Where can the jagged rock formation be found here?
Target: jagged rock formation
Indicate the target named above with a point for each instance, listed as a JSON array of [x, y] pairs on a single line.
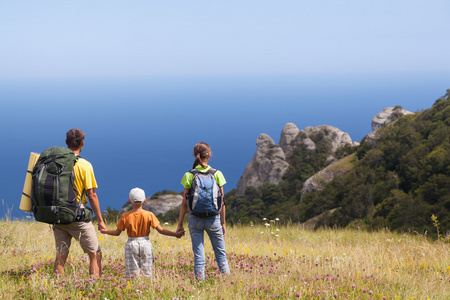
[[388, 115], [158, 205], [269, 163], [267, 166], [337, 137], [288, 134]]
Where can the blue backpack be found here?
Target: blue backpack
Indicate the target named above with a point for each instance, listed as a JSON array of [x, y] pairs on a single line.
[[205, 197]]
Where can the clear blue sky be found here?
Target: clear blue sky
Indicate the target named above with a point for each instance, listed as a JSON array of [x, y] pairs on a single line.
[[252, 37]]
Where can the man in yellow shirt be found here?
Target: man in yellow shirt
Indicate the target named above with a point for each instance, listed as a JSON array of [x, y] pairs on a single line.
[[82, 231]]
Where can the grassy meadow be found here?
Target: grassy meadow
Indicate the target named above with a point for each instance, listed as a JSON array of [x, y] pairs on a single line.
[[266, 261]]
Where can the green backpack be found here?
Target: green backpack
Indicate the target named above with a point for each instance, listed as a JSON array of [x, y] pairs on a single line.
[[53, 194]]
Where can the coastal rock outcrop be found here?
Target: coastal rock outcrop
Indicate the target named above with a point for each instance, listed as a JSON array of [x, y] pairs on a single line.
[[288, 134], [269, 163], [158, 204], [388, 115], [266, 167], [337, 137]]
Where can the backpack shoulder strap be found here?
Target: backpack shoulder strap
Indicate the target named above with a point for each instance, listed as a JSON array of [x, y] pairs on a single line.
[[194, 171], [212, 171], [73, 183]]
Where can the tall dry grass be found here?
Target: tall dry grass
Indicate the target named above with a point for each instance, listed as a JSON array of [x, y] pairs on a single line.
[[266, 262]]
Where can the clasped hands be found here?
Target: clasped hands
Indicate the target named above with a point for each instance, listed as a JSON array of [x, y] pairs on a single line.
[[180, 232]]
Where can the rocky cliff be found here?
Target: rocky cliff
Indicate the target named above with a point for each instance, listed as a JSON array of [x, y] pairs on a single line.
[[270, 161], [386, 116], [267, 166]]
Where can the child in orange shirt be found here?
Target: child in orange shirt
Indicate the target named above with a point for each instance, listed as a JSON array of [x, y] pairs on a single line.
[[137, 222]]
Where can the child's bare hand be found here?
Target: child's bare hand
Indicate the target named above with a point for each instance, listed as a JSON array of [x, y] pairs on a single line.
[[180, 233]]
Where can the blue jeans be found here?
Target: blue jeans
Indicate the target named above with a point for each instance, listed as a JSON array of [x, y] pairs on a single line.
[[213, 227]]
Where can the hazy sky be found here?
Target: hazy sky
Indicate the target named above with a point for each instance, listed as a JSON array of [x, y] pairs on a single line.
[[246, 37]]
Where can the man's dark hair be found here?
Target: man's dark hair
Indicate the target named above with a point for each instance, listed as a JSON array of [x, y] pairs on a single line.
[[74, 138]]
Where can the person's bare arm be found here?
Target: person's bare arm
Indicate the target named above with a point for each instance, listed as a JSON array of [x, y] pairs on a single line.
[[115, 232], [222, 214], [93, 201], [161, 230], [182, 211]]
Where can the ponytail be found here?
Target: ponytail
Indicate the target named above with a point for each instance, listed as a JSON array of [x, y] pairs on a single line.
[[201, 153]]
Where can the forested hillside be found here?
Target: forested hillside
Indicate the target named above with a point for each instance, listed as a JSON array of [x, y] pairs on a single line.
[[398, 182]]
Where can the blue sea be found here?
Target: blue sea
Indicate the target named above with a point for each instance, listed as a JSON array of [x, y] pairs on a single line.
[[140, 131]]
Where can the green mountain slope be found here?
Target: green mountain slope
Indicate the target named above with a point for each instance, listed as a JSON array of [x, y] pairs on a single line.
[[399, 182]]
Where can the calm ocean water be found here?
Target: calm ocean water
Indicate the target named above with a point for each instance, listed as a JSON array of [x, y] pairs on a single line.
[[140, 131]]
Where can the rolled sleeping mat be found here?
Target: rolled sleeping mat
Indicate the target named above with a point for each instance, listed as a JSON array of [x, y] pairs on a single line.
[[25, 201]]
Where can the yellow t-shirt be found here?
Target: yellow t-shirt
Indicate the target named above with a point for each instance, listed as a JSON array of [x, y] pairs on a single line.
[[84, 178], [137, 223]]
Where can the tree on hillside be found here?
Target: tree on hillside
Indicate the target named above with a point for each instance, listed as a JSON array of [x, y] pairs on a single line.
[[405, 178], [398, 182]]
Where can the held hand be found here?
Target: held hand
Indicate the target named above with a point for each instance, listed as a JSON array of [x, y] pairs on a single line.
[[103, 231], [223, 229], [180, 229], [101, 226], [179, 234]]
